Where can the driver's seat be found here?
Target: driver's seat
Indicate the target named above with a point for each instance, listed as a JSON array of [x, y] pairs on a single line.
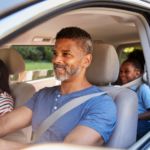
[[104, 71]]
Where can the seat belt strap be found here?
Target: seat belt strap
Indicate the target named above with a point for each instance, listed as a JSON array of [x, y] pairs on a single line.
[[137, 82], [60, 112]]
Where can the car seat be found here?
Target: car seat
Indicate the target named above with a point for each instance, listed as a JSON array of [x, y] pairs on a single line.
[[102, 72], [21, 91]]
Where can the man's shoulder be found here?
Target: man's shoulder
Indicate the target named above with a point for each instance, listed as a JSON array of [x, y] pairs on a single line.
[[48, 89], [103, 95], [103, 99]]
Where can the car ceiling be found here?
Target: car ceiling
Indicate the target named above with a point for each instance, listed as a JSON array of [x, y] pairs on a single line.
[[107, 25]]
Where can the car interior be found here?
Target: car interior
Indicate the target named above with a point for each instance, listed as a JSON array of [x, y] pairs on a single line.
[[110, 29], [106, 58]]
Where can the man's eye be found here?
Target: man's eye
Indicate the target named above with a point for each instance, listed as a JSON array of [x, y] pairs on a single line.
[[66, 54], [54, 53]]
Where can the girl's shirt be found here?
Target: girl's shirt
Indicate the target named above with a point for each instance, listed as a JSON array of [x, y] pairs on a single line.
[[143, 93], [144, 98], [6, 103]]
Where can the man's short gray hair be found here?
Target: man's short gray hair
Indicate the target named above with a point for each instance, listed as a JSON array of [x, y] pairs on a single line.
[[79, 34]]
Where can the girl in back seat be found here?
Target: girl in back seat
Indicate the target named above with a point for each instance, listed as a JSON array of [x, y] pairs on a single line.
[[130, 70], [6, 100]]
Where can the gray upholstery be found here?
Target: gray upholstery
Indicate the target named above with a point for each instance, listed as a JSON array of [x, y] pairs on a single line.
[[103, 71], [13, 60], [124, 134], [105, 65]]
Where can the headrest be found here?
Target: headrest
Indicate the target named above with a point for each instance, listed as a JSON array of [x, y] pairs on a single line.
[[104, 68], [13, 60]]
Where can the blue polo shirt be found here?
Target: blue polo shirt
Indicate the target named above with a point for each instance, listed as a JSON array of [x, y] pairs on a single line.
[[98, 113]]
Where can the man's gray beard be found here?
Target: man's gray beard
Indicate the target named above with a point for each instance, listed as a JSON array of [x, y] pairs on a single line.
[[67, 75], [62, 78]]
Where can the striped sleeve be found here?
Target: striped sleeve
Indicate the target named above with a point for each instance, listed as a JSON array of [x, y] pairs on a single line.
[[6, 103]]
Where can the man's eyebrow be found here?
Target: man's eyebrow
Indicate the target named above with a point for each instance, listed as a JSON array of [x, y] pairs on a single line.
[[62, 51], [65, 50]]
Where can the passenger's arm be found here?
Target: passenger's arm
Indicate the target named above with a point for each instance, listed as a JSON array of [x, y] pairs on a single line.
[[17, 119], [83, 135], [145, 115]]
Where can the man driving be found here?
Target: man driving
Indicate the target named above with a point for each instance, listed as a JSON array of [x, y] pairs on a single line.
[[91, 123]]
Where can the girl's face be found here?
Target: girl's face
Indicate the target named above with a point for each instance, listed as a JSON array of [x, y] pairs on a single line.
[[128, 72]]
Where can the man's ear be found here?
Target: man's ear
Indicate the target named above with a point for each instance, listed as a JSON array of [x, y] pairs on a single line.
[[87, 60]]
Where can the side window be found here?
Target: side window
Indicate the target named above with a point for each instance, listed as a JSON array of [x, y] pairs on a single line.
[[37, 63], [125, 51]]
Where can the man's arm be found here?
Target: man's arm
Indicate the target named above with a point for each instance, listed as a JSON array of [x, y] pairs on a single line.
[[84, 135], [7, 145], [17, 119]]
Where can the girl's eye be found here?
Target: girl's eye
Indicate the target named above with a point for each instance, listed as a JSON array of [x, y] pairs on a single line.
[[127, 71]]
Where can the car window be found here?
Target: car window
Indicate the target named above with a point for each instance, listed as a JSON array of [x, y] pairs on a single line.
[[124, 51], [37, 62]]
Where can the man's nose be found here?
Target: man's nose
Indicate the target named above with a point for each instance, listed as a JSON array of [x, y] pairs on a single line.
[[57, 59]]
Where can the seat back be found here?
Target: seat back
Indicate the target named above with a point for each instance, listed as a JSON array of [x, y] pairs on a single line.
[[21, 91], [102, 72], [13, 60]]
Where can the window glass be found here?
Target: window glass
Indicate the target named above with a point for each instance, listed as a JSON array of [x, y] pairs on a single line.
[[126, 50], [37, 62]]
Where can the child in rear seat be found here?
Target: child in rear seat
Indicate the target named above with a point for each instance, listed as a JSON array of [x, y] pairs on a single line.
[[6, 100], [131, 69]]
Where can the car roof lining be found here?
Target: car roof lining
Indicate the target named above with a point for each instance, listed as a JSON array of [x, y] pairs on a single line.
[[95, 15]]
